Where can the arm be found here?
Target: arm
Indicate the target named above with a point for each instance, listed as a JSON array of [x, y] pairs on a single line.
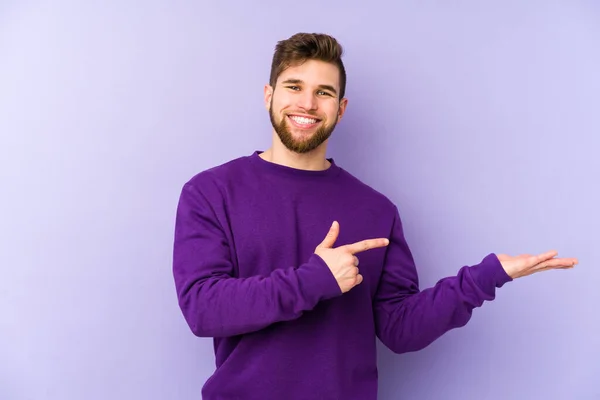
[[217, 304], [408, 319]]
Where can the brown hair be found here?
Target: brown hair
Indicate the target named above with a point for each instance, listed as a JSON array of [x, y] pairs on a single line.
[[307, 46]]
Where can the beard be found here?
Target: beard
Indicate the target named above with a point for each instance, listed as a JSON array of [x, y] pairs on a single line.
[[303, 145]]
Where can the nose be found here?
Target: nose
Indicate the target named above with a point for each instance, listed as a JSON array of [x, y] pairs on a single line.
[[307, 100]]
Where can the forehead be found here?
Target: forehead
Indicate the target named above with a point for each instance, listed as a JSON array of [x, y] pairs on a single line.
[[313, 72]]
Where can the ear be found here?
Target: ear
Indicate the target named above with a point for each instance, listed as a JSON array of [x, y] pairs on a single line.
[[342, 108], [268, 95]]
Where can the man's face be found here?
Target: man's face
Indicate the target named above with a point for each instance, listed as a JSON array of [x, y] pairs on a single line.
[[304, 107]]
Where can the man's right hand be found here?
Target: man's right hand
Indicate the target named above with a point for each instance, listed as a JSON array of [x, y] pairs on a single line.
[[342, 260]]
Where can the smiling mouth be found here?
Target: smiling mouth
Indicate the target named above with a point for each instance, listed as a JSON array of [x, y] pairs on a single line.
[[303, 122]]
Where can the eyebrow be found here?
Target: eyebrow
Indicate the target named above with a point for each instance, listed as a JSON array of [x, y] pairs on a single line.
[[299, 82]]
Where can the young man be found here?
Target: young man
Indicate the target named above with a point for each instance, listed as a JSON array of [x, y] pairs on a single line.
[[294, 266]]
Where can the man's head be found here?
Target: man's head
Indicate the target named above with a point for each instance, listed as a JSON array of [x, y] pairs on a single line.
[[305, 94]]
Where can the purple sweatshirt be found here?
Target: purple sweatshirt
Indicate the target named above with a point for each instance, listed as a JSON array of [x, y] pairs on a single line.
[[246, 275]]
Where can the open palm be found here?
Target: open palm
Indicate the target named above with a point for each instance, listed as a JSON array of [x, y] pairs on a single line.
[[526, 264]]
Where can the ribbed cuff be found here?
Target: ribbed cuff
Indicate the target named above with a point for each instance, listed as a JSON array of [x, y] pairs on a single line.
[[489, 274], [321, 282]]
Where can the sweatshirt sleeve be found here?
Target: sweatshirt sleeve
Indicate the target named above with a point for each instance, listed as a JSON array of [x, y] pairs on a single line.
[[213, 301], [408, 319]]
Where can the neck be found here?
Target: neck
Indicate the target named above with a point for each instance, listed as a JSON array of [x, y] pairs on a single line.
[[314, 160]]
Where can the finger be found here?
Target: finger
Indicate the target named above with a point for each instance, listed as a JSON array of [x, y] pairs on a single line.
[[359, 280], [544, 256], [331, 237], [356, 261], [553, 268], [567, 267], [365, 245], [533, 262], [557, 263]]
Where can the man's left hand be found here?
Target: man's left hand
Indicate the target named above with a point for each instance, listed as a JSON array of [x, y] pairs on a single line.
[[526, 264]]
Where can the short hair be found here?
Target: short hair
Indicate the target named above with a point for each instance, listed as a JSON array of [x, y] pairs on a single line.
[[302, 47]]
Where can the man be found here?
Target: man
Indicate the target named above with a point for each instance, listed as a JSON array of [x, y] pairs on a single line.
[[294, 266]]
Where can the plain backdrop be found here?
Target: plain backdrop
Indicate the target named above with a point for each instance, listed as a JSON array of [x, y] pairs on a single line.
[[481, 121]]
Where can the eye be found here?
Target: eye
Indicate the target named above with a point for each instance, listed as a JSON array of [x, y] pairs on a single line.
[[323, 93], [293, 87]]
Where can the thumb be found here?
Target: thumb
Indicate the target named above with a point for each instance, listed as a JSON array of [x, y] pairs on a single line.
[[332, 236]]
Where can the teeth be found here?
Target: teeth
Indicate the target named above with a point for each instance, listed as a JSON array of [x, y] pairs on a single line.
[[303, 120]]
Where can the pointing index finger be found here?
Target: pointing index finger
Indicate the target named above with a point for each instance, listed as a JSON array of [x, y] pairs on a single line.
[[365, 245]]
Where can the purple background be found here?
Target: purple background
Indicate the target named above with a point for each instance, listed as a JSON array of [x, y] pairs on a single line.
[[481, 122]]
